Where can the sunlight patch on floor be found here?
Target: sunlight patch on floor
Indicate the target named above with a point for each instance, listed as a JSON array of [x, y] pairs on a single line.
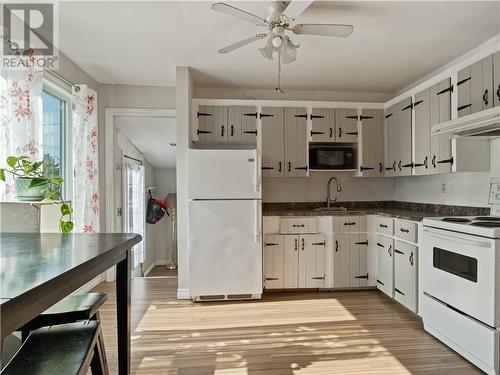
[[380, 365]]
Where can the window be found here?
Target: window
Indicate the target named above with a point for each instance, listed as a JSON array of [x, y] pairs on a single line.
[[56, 126]]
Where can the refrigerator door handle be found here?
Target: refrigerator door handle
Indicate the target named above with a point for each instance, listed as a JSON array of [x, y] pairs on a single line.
[[257, 169], [257, 221]]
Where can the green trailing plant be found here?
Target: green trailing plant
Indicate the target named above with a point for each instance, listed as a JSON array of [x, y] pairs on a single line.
[[23, 167]]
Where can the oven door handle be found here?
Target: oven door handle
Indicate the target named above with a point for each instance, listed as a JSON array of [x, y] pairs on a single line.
[[459, 240]]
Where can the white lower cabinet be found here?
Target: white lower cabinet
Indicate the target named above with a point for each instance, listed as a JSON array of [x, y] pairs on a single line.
[[294, 261], [405, 261], [385, 264]]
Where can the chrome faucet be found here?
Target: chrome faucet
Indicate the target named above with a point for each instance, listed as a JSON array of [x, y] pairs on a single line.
[[339, 189]]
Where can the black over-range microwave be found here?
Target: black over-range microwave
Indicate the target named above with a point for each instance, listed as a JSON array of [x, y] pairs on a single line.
[[331, 157]]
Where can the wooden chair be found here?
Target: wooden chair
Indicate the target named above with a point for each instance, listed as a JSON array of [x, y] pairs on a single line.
[[69, 349], [71, 309]]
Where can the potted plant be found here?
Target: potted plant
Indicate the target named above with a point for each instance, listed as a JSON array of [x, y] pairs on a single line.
[[33, 184]]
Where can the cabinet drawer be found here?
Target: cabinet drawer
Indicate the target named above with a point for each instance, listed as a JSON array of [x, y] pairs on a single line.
[[350, 224], [476, 341], [385, 225], [271, 224], [292, 225], [406, 230]]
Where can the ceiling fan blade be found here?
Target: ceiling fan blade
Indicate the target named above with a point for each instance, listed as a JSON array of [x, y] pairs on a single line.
[[236, 12], [242, 43], [296, 7], [340, 31]]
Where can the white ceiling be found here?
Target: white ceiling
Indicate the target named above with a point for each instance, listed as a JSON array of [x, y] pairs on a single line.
[[393, 44], [152, 137]]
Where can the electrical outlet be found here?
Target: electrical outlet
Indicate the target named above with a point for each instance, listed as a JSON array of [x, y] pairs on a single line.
[[443, 188]]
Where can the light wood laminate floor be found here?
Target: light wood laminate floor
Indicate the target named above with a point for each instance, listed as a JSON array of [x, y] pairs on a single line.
[[348, 332]]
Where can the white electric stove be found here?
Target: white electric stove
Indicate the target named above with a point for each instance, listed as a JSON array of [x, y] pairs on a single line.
[[460, 283]]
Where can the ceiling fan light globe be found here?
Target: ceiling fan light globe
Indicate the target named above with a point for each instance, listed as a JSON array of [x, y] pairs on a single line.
[[277, 42]]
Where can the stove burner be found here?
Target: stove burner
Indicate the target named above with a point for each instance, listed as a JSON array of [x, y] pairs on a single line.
[[488, 218], [486, 224], [456, 219]]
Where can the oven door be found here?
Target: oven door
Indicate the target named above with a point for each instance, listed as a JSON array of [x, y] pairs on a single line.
[[459, 270]]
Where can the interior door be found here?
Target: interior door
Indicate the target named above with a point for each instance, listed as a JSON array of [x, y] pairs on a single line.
[[273, 142], [296, 145], [205, 131], [134, 215], [323, 125], [346, 122], [273, 261], [385, 264]]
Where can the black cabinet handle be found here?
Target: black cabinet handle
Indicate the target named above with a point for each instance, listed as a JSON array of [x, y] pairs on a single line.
[[271, 278], [331, 129], [380, 282], [198, 132], [361, 277], [361, 168], [315, 133], [298, 225], [485, 97], [267, 168], [296, 244], [289, 166], [399, 165], [352, 133], [404, 230], [411, 259], [270, 244], [398, 291], [379, 244], [340, 132], [254, 132], [336, 246], [318, 278], [380, 168], [382, 225], [279, 167], [389, 251], [361, 243], [350, 223], [200, 114], [446, 161], [303, 243], [434, 161], [464, 106], [398, 251], [498, 92], [232, 130], [426, 162], [394, 166], [319, 243], [302, 168], [222, 131]]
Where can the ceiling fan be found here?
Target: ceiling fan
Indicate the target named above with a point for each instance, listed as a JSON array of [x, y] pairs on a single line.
[[278, 24]]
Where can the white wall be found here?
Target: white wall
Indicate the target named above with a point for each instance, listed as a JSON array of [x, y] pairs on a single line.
[[313, 189], [467, 189]]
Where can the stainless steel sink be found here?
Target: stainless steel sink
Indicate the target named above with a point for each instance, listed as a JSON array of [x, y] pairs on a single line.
[[340, 209]]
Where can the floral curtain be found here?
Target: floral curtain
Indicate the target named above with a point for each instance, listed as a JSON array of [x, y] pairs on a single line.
[[85, 160], [20, 118]]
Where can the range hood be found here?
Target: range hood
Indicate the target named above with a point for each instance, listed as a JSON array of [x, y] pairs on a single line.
[[484, 123]]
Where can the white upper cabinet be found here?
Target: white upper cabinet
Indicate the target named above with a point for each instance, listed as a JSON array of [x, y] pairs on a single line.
[[323, 125], [496, 79], [422, 133], [392, 147], [205, 116], [405, 163], [371, 153], [346, 123], [441, 159], [475, 87], [296, 146], [273, 142]]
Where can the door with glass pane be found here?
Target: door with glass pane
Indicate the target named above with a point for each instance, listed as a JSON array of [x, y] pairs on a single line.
[[133, 208]]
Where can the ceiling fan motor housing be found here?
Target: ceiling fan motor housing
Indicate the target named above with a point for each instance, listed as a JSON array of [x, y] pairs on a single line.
[[275, 10]]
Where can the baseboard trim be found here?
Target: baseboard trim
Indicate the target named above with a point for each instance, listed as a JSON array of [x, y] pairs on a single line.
[[183, 294], [160, 262]]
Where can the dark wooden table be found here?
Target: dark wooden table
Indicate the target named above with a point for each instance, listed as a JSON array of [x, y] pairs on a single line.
[[38, 270]]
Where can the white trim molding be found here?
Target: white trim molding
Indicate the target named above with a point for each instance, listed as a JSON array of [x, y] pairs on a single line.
[[183, 294]]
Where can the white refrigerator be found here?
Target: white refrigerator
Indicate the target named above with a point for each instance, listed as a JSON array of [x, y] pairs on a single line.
[[225, 242]]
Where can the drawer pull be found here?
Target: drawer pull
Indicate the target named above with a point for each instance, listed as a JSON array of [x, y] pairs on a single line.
[[398, 291], [350, 223], [336, 246], [296, 244], [389, 251], [411, 259], [270, 244], [303, 244], [271, 278], [298, 225], [318, 278], [404, 230], [382, 225], [361, 243]]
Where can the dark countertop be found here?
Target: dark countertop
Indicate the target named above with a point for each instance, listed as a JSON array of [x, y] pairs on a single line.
[[399, 210]]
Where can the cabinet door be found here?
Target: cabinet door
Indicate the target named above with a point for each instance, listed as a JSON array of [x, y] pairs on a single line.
[[358, 270], [296, 144], [440, 111], [405, 274], [475, 89], [390, 141], [273, 142], [405, 164], [346, 124], [341, 269], [312, 256], [273, 261], [496, 79], [249, 125], [372, 143], [290, 261], [234, 123], [205, 123], [385, 265], [220, 124], [323, 125], [463, 92], [487, 96], [422, 133]]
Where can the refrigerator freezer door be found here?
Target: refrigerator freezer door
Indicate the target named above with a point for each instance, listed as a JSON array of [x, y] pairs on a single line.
[[225, 248], [224, 174]]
